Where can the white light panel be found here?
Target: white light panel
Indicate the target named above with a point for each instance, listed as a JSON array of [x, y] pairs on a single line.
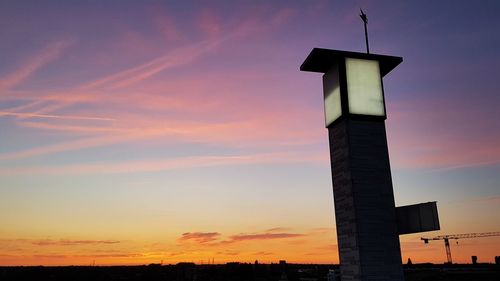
[[364, 87], [331, 91]]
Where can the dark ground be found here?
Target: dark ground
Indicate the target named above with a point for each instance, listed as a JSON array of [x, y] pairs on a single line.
[[236, 272]]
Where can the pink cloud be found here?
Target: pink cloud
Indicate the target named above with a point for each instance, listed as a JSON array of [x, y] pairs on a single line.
[[175, 58], [445, 145], [257, 22], [258, 131], [210, 23], [167, 164], [266, 128], [50, 53], [200, 237], [166, 26], [263, 236], [239, 126], [73, 129], [223, 118], [53, 116], [133, 43], [216, 239], [283, 16]]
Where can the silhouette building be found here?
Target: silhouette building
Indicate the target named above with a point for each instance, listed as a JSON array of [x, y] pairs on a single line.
[[366, 216]]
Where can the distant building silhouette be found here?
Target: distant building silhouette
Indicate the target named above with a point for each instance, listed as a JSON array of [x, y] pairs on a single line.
[[474, 259]]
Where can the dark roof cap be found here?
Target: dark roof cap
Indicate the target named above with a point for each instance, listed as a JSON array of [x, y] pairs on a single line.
[[321, 60]]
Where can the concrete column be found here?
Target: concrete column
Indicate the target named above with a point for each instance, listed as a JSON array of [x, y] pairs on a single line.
[[364, 201]]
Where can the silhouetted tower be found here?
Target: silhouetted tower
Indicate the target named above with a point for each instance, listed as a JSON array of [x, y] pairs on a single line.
[[368, 222], [362, 186]]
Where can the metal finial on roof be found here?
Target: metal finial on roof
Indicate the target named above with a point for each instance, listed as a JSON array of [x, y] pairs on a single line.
[[365, 21]]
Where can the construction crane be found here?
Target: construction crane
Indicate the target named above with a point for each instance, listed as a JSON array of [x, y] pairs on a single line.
[[447, 239]]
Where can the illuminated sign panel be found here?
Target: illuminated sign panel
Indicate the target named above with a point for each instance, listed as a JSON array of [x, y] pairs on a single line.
[[364, 87], [331, 91], [352, 83]]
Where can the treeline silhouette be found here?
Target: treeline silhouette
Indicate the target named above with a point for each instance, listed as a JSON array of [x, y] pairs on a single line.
[[237, 272], [178, 272]]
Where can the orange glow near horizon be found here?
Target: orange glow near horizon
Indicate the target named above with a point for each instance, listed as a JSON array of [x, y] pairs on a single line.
[[316, 246]]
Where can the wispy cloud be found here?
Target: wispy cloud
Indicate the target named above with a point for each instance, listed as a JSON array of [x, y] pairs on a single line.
[[48, 54], [228, 253], [254, 132], [263, 253], [61, 256], [20, 245], [161, 110], [278, 229], [49, 256], [322, 230], [283, 16], [110, 255], [94, 90], [66, 242], [263, 236], [216, 239], [172, 59], [53, 116], [332, 248], [61, 147], [166, 25], [159, 165], [210, 23], [200, 237], [446, 145]]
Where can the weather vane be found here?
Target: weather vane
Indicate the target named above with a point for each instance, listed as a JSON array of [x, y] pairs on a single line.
[[365, 20]]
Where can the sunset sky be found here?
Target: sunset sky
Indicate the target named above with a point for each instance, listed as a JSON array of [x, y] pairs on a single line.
[[135, 132]]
